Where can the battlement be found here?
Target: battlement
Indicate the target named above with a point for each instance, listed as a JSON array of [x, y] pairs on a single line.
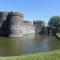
[[4, 13], [16, 14]]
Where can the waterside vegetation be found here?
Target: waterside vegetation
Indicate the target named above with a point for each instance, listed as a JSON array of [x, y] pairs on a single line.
[[58, 35], [53, 55]]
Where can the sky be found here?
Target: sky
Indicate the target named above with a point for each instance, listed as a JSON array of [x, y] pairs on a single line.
[[33, 9]]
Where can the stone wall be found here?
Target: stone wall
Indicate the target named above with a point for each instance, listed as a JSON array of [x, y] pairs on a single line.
[[12, 25], [3, 23], [16, 22], [28, 27]]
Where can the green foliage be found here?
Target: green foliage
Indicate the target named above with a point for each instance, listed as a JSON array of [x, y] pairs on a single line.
[[54, 55], [54, 23]]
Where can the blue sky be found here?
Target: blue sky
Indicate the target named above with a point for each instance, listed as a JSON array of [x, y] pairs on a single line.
[[33, 9]]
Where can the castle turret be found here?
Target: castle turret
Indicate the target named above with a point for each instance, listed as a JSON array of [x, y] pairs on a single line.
[[16, 24], [3, 17], [16, 18]]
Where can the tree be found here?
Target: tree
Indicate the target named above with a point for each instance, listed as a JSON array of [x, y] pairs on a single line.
[[54, 23]]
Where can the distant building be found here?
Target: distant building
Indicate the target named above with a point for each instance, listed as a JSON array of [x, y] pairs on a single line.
[[39, 26]]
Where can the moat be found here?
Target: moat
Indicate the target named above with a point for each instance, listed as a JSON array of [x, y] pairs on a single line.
[[28, 44]]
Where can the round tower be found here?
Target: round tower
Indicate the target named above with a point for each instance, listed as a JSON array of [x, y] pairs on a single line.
[[16, 18], [3, 17], [16, 24]]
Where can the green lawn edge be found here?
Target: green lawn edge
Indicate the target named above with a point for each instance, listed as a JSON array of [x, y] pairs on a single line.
[[52, 55]]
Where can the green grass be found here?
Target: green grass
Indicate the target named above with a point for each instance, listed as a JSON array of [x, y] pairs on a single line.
[[53, 55]]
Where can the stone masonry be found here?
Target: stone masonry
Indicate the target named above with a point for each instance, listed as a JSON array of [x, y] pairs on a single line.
[[13, 25]]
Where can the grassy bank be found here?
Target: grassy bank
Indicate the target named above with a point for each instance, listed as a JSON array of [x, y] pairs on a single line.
[[58, 35], [53, 55]]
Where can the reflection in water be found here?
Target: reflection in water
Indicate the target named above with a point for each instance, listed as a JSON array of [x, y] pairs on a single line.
[[27, 44]]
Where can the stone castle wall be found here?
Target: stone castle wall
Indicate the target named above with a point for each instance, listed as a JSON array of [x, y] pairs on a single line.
[[16, 21], [12, 25], [3, 24]]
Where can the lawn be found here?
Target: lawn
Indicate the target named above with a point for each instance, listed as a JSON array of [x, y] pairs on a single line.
[[52, 55], [58, 35]]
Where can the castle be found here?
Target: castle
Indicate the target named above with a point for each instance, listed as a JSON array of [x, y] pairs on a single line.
[[13, 25]]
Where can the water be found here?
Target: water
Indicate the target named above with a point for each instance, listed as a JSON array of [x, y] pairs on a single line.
[[28, 44]]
